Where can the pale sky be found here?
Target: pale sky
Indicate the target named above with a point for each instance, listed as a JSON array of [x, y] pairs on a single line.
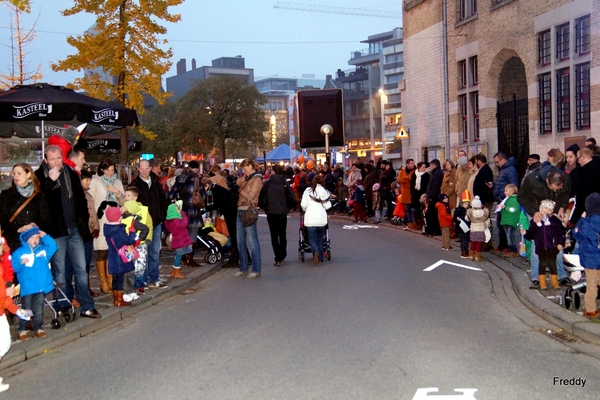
[[274, 42]]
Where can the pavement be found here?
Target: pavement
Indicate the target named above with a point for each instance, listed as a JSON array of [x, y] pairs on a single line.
[[547, 305]]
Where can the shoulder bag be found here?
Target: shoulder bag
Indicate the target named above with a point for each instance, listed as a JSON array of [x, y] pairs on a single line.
[[250, 215], [10, 221], [197, 199], [127, 252]]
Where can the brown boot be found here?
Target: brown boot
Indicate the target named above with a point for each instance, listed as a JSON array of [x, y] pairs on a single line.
[[471, 254], [118, 299], [92, 293], [554, 281], [176, 273], [102, 272], [542, 279], [477, 256], [189, 260]]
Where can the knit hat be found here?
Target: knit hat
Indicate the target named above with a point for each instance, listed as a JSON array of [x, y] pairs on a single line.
[[442, 197], [462, 161], [547, 204], [592, 204], [173, 211], [465, 196], [534, 156], [476, 203], [25, 236], [113, 214], [375, 186]]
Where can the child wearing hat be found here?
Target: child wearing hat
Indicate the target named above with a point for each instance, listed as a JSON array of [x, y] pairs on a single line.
[[30, 263], [181, 243], [461, 223], [480, 222], [445, 218], [376, 196], [510, 213], [358, 202], [587, 234]]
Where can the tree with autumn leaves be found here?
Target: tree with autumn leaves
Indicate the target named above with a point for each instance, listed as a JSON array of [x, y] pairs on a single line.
[[123, 43]]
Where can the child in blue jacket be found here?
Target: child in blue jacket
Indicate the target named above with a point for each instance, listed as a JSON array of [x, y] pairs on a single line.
[[117, 235], [30, 263], [587, 235]]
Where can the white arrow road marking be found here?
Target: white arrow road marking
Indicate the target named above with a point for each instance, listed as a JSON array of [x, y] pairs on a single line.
[[437, 264], [423, 394]]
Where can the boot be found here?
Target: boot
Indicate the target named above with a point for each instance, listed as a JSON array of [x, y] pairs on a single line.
[[477, 256], [102, 272], [554, 281], [542, 279], [92, 293], [189, 260], [118, 299], [176, 273], [471, 254]]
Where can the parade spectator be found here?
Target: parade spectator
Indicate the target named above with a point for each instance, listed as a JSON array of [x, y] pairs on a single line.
[[152, 195], [533, 165], [343, 194], [359, 197], [484, 181], [478, 216], [556, 158], [570, 164], [388, 175], [433, 192], [69, 224], [77, 157], [461, 223], [276, 199], [418, 187], [449, 183], [250, 185], [176, 223], [510, 213], [462, 176], [217, 177], [507, 175], [353, 176], [94, 224], [588, 180], [105, 188], [404, 179], [473, 170], [445, 218], [315, 203], [376, 200], [329, 181], [222, 202], [590, 143], [370, 179]]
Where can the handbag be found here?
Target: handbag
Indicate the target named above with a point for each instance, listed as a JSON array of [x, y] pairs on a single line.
[[250, 215], [197, 199], [127, 252]]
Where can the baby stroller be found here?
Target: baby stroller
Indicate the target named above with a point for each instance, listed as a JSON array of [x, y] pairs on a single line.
[[304, 247], [212, 247]]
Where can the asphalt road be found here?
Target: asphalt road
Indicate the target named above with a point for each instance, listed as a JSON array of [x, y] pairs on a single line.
[[369, 324]]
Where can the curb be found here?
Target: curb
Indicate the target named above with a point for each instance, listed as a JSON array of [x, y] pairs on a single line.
[[81, 327]]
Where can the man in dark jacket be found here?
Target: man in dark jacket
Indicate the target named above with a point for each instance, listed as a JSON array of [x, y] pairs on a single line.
[[69, 224], [482, 185], [388, 175], [434, 188], [507, 175], [276, 199], [588, 173], [152, 195], [533, 165]]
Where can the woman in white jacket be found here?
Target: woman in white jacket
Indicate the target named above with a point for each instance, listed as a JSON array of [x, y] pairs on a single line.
[[315, 203]]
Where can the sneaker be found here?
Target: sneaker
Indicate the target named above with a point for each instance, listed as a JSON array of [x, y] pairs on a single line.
[[253, 275], [92, 313], [534, 285], [3, 386], [593, 314], [241, 273], [464, 254], [40, 334], [157, 285], [450, 248], [404, 227], [141, 291], [23, 336]]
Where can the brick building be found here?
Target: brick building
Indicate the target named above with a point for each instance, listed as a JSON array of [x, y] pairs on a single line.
[[521, 76]]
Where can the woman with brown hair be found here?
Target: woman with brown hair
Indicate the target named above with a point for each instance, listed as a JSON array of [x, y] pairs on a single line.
[[556, 158], [449, 183], [22, 205]]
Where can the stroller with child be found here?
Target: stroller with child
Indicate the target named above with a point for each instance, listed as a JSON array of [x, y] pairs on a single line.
[[304, 247]]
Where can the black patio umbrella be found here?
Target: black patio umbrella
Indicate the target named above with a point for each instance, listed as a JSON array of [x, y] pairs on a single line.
[[24, 109]]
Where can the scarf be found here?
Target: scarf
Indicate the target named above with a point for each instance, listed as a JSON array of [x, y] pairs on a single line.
[[419, 174], [25, 191], [63, 175], [110, 196]]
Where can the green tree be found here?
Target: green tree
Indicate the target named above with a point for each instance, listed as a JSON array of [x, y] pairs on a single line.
[[222, 109], [123, 44], [22, 5]]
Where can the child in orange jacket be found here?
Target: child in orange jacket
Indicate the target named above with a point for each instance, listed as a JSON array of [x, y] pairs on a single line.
[[445, 218]]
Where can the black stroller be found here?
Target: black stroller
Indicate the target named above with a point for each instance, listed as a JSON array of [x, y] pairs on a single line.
[[304, 247]]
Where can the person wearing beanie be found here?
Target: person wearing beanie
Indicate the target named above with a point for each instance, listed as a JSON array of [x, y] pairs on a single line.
[[445, 218], [480, 222], [376, 201], [586, 233], [181, 243], [30, 263], [461, 224]]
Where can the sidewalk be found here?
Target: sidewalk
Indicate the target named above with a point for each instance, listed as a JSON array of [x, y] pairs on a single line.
[[22, 351]]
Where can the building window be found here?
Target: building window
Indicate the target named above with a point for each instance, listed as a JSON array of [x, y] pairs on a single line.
[[475, 105], [562, 42], [462, 68], [466, 9], [582, 96], [545, 94], [391, 58], [544, 48], [474, 74], [582, 35], [394, 78], [464, 119], [563, 100]]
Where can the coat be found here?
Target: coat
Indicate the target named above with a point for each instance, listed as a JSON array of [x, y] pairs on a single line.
[[415, 194], [511, 211], [589, 177], [434, 186], [546, 237], [480, 187], [535, 189], [35, 276], [99, 191], [315, 205], [36, 211], [6, 303], [507, 175], [116, 232], [586, 233], [178, 228], [249, 190], [277, 195], [404, 178], [449, 187], [153, 197], [443, 215]]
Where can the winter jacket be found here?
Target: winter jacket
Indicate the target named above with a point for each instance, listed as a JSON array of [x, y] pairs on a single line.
[[434, 187], [353, 177], [276, 195], [587, 235], [99, 191], [177, 224], [387, 177], [249, 190], [36, 211], [460, 214], [588, 177], [547, 235], [443, 215], [315, 205], [448, 187], [415, 194], [480, 188], [478, 224], [153, 197], [35, 275], [94, 222], [511, 211], [6, 303], [376, 200], [135, 208], [404, 178], [8, 274], [116, 232], [535, 167], [508, 174], [535, 189], [328, 180], [359, 194], [57, 226]]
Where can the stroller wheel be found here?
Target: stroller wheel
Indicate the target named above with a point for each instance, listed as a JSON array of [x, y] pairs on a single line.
[[68, 316], [59, 322], [301, 255], [567, 298], [329, 255], [211, 258], [219, 256]]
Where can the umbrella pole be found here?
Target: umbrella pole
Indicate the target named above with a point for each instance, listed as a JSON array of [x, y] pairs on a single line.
[[43, 135]]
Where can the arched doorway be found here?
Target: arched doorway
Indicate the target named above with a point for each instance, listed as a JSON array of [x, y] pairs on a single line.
[[512, 112]]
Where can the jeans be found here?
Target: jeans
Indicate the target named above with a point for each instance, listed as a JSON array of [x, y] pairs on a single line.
[[89, 251], [247, 241], [316, 239], [377, 216], [278, 227], [535, 264], [464, 240], [152, 271], [510, 237], [408, 214], [502, 235], [71, 247], [118, 281], [35, 303], [177, 260]]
